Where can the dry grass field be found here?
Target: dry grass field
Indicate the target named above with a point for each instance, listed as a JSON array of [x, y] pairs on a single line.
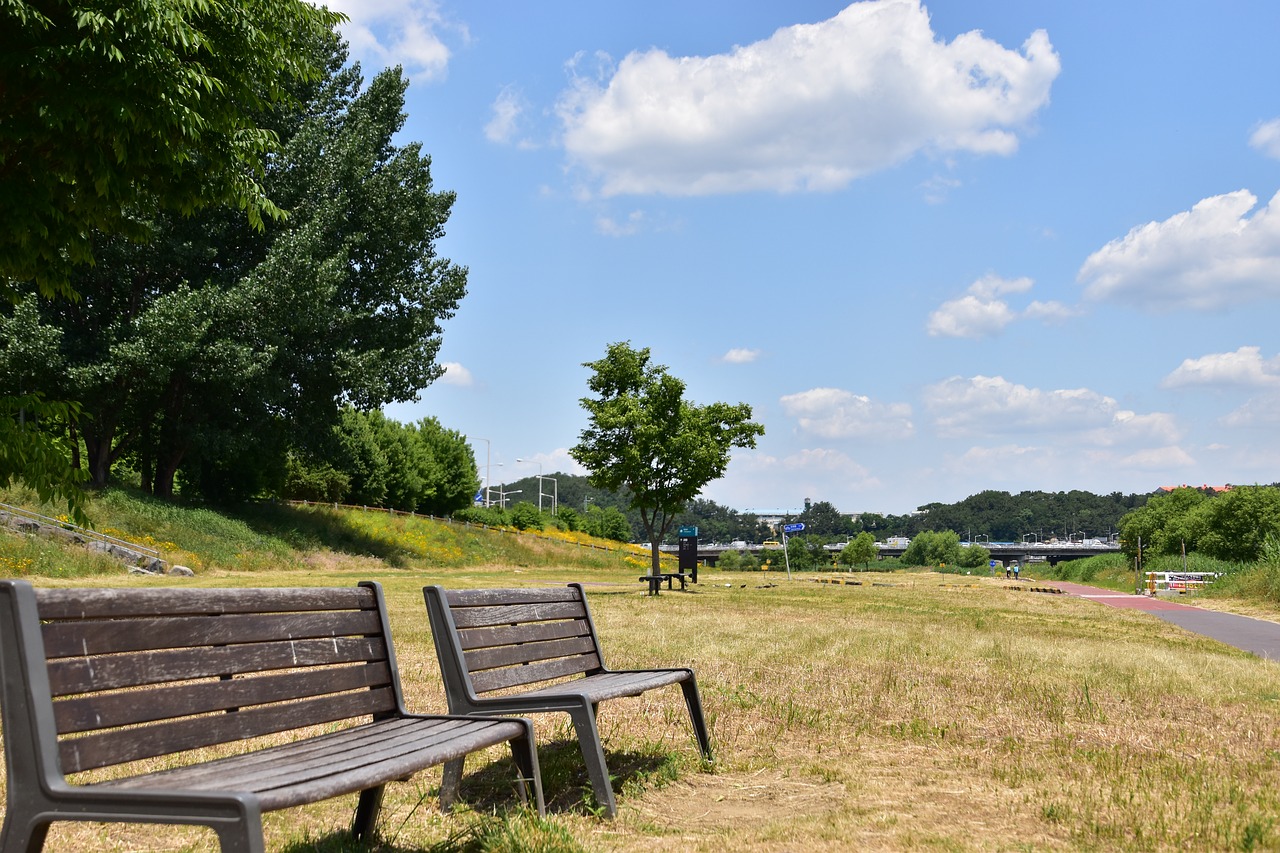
[[910, 712]]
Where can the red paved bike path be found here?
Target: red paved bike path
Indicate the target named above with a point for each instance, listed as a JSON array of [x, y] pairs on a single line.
[[1244, 632]]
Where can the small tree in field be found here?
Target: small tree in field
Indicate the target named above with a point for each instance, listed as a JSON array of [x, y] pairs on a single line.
[[861, 549], [645, 439]]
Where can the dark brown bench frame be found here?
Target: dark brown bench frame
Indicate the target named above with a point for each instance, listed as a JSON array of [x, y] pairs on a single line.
[[497, 639], [97, 678]]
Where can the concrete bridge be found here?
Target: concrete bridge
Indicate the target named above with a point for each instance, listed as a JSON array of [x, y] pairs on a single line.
[[1024, 552]]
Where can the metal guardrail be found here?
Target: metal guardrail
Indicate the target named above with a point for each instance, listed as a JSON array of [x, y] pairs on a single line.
[[86, 532]]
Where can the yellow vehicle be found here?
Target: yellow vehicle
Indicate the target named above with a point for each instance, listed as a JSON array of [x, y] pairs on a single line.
[[771, 543]]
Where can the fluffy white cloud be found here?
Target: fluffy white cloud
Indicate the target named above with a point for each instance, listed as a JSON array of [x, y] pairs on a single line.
[[456, 374], [507, 110], [1245, 366], [1266, 138], [969, 317], [383, 33], [1260, 412], [740, 355], [812, 107], [981, 313], [1208, 258], [835, 413], [991, 405]]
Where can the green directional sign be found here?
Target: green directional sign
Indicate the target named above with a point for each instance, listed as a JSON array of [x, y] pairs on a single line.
[[688, 531]]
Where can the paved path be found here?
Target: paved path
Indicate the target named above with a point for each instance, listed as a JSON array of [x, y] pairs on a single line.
[[1244, 632]]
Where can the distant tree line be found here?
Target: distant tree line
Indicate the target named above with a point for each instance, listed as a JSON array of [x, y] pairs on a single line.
[[1234, 525]]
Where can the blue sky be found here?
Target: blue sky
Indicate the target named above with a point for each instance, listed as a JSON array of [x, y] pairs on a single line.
[[938, 248]]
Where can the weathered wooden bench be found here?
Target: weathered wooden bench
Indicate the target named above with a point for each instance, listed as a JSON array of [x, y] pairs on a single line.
[[491, 640], [655, 581], [98, 678]]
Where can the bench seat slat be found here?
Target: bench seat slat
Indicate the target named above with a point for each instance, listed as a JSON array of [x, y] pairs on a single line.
[[528, 632], [614, 685], [515, 676], [279, 761], [460, 598], [71, 639], [389, 749], [58, 604], [68, 676], [114, 747], [477, 617], [100, 711], [483, 659]]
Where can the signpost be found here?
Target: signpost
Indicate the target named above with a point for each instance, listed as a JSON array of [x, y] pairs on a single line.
[[794, 527], [689, 552]]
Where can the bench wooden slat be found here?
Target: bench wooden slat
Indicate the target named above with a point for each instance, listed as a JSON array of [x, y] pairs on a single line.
[[71, 639], [97, 711], [526, 632], [516, 676], [68, 676], [327, 754], [476, 617], [477, 597], [482, 659], [58, 604], [394, 749], [117, 746]]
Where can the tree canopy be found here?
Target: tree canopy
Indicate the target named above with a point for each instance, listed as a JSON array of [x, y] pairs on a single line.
[[214, 349], [645, 438], [146, 103]]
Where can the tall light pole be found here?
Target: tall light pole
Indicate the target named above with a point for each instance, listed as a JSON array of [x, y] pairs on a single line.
[[487, 481], [555, 494], [539, 464]]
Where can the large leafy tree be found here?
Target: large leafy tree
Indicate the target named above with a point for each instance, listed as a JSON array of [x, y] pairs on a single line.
[[109, 108], [112, 109], [646, 439], [213, 344]]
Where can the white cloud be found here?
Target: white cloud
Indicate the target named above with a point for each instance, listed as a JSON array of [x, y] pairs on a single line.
[[383, 33], [457, 375], [835, 413], [980, 313], [812, 107], [1260, 412], [740, 355], [1208, 258], [1266, 138], [611, 227], [507, 109], [991, 405], [1245, 366], [969, 317]]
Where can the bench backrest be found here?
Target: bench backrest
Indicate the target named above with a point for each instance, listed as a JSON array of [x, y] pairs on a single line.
[[492, 639], [117, 675]]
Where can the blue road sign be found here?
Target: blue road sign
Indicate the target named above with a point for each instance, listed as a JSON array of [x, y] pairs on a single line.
[[688, 531], [793, 528]]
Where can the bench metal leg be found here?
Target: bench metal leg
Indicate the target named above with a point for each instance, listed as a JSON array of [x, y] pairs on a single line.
[[584, 725], [367, 812], [524, 751], [694, 703], [22, 836], [450, 783]]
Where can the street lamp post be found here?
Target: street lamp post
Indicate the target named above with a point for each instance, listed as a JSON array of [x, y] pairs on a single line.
[[539, 464], [555, 494]]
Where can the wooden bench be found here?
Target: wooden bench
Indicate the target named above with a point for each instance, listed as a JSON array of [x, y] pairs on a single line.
[[655, 581], [97, 678], [491, 640]]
